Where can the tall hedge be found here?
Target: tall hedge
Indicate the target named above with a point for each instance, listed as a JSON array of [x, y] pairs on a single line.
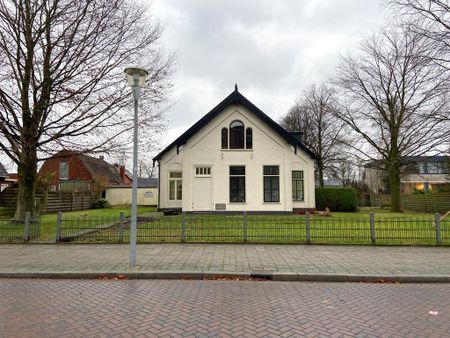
[[336, 199]]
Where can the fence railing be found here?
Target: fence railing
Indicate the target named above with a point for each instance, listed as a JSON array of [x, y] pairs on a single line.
[[19, 231], [249, 228], [433, 202]]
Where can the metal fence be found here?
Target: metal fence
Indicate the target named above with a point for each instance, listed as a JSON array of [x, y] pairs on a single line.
[[246, 228], [19, 231]]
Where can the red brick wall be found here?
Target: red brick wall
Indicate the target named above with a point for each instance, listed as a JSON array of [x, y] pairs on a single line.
[[77, 170]]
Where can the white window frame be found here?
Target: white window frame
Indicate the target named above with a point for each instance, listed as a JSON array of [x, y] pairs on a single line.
[[178, 182], [202, 171]]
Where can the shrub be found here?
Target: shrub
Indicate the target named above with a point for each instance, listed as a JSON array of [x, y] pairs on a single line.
[[101, 203], [336, 199]]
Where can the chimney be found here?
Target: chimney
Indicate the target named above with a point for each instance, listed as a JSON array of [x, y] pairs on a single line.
[[298, 135], [122, 173]]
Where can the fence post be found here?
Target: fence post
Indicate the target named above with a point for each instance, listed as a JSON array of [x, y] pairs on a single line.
[[244, 221], [308, 228], [58, 226], [183, 226], [121, 218], [437, 218], [26, 227], [373, 238]]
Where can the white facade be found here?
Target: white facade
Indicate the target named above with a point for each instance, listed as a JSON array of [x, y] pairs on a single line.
[[122, 196], [204, 168]]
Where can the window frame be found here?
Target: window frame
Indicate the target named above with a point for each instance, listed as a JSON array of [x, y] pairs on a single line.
[[272, 177], [224, 138], [248, 136], [61, 163], [178, 186], [233, 134], [295, 189], [239, 178], [203, 171]]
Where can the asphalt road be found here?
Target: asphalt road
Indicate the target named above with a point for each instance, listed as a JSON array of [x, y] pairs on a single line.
[[139, 308]]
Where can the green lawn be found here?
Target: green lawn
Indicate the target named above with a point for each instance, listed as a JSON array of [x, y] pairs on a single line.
[[48, 222], [340, 228]]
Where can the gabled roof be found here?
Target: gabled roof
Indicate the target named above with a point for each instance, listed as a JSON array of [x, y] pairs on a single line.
[[151, 182], [3, 172], [235, 98], [96, 166]]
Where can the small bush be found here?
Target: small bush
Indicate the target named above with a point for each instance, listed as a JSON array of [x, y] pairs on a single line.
[[336, 199], [101, 203]]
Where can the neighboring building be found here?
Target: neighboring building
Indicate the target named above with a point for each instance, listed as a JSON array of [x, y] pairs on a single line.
[[72, 171], [147, 193], [236, 158], [3, 177], [425, 173]]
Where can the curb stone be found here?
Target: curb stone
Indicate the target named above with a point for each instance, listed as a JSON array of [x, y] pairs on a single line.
[[210, 275]]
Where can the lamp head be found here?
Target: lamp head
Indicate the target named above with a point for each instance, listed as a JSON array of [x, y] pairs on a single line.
[[136, 76]]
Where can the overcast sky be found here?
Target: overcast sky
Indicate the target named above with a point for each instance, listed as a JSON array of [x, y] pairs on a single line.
[[272, 49]]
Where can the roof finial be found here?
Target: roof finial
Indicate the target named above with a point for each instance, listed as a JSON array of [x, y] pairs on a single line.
[[235, 87]]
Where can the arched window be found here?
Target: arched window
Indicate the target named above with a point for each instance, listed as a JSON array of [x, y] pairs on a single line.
[[236, 135], [224, 138], [249, 138]]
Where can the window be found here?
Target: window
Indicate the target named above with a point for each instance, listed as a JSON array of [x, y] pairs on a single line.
[[422, 167], [63, 170], [297, 186], [237, 184], [175, 185], [271, 183], [203, 171], [224, 138], [249, 138], [236, 135]]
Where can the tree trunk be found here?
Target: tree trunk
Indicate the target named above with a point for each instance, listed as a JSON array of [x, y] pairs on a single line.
[[26, 197], [320, 172], [394, 184]]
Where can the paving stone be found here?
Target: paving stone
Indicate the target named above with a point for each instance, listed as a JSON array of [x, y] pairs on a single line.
[[203, 258]]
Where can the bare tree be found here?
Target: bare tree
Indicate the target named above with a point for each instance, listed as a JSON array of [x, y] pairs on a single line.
[[392, 96], [61, 69], [314, 115], [430, 19]]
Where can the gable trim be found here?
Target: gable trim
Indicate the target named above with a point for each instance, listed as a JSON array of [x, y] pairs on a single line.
[[234, 98]]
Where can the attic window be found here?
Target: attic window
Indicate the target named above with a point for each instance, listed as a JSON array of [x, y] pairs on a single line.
[[224, 138], [249, 138], [63, 170], [236, 135]]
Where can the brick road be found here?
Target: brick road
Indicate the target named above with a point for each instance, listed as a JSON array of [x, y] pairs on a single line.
[[357, 260], [137, 308]]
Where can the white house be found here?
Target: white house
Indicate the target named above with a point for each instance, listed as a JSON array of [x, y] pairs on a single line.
[[236, 158]]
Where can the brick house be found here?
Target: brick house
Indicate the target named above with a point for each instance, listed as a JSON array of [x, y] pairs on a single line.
[[72, 171]]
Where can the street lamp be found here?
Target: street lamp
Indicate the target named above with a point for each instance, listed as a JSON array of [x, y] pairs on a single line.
[[136, 78]]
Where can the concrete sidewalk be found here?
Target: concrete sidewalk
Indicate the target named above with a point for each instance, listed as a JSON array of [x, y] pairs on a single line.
[[200, 261]]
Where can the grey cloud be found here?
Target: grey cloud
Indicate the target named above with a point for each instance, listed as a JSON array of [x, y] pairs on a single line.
[[272, 48]]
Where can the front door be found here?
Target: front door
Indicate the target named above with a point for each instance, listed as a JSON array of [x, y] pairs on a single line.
[[202, 193]]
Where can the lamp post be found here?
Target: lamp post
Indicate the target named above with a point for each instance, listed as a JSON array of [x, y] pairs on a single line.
[[136, 78]]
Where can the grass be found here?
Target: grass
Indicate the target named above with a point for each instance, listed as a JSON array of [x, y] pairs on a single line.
[[339, 228], [48, 222]]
